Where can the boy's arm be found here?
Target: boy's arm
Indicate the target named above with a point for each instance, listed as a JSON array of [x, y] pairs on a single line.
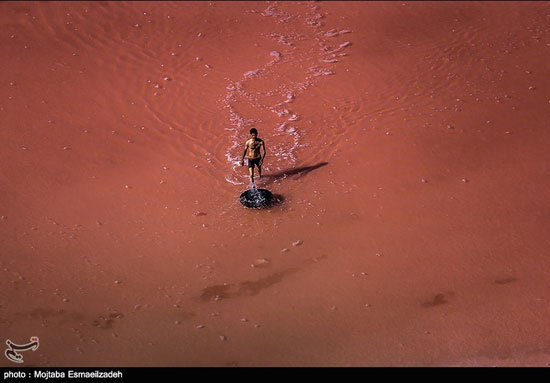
[[244, 153], [265, 152]]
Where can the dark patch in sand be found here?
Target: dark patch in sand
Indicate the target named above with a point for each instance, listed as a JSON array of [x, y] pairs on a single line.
[[216, 292], [219, 292], [505, 281], [107, 322], [495, 349], [63, 316], [439, 299], [254, 287]]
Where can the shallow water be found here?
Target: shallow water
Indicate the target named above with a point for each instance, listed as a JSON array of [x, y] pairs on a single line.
[[406, 140]]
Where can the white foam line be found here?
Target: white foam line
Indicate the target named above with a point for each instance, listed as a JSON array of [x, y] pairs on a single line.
[[237, 91]]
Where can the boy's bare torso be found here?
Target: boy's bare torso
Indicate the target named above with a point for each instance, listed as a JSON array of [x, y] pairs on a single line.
[[254, 148]]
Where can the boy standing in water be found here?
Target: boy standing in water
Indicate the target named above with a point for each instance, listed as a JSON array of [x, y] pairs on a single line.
[[253, 146]]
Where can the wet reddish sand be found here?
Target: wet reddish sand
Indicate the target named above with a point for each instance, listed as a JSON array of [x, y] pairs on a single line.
[[408, 140]]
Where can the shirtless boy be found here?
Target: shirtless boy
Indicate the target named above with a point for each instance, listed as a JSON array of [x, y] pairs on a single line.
[[253, 146]]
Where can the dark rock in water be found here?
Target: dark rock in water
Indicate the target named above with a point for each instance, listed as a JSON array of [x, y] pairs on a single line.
[[257, 198]]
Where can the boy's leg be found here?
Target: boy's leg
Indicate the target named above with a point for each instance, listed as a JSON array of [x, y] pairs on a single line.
[[251, 170], [259, 170]]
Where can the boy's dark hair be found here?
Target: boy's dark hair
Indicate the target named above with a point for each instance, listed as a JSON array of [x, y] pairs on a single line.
[[253, 130]]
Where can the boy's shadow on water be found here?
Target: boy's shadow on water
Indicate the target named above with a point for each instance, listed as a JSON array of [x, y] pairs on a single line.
[[298, 172], [251, 201]]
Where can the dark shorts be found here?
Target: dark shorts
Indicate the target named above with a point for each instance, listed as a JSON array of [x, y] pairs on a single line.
[[253, 161]]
